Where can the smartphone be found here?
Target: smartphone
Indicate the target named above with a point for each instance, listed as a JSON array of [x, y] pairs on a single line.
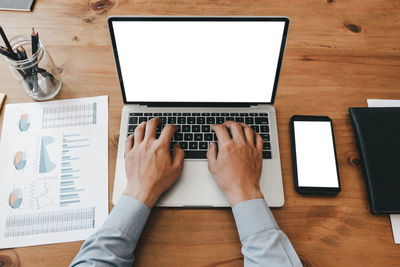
[[314, 155]]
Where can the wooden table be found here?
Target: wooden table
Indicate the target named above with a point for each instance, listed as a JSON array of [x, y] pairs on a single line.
[[339, 53]]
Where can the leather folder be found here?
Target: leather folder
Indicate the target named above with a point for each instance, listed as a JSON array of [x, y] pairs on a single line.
[[377, 132]]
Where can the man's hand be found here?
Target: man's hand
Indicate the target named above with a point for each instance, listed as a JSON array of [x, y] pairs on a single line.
[[150, 169], [237, 164]]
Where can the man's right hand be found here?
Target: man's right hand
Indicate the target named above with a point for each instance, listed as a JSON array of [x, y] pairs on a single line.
[[237, 164]]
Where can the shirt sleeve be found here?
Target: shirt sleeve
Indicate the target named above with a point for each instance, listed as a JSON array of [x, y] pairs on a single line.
[[113, 244], [263, 243]]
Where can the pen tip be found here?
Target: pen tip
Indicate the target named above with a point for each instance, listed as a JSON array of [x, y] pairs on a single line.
[[33, 31]]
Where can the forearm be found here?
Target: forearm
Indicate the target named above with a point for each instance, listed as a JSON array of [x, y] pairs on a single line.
[[263, 243], [114, 243]]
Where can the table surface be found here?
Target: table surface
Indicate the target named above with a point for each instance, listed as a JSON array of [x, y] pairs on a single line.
[[338, 54]]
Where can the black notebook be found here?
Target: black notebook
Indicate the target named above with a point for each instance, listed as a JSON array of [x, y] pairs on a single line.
[[377, 132]]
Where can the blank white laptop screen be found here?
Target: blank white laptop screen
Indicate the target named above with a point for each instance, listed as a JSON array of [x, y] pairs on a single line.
[[315, 154], [198, 61]]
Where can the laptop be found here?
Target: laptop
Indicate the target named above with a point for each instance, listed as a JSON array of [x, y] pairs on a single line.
[[194, 72]]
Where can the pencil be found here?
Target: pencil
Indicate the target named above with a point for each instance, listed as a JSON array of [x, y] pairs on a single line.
[[5, 52], [11, 53], [6, 42], [34, 40], [22, 49], [21, 52], [20, 56]]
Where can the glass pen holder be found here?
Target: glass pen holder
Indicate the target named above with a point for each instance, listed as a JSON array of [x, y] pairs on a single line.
[[37, 74]]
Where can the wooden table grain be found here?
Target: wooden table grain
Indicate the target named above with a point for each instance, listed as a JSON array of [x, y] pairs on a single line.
[[339, 53]]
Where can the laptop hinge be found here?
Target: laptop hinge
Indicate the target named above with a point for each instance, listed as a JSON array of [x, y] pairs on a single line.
[[260, 105], [198, 105]]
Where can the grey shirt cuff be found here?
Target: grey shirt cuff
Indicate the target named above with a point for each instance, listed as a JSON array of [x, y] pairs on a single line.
[[129, 216], [253, 216]]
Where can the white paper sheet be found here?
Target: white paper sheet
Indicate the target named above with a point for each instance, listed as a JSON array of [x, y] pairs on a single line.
[[376, 103], [395, 221], [53, 171], [394, 218]]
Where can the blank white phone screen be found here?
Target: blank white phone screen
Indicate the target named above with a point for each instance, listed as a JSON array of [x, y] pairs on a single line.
[[315, 154]]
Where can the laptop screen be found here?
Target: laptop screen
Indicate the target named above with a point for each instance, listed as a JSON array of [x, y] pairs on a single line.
[[194, 60]]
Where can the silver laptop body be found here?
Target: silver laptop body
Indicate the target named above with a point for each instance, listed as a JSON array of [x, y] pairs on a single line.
[[196, 186]]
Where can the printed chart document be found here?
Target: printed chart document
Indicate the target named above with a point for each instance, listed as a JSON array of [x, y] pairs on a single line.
[[394, 218], [53, 171]]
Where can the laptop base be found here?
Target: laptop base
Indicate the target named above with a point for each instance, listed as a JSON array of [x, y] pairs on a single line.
[[196, 186]]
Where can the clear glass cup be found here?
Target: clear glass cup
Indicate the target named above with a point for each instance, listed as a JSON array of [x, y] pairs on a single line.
[[37, 74]]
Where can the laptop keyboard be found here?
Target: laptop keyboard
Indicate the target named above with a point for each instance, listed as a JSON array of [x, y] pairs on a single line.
[[194, 129]]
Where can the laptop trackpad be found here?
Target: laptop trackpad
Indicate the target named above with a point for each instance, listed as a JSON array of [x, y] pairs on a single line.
[[195, 187]]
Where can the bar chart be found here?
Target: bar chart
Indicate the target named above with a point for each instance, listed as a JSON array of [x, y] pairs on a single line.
[[50, 222], [72, 145], [69, 115]]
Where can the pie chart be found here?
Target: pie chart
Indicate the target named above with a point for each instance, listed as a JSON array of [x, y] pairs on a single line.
[[15, 198], [19, 160], [24, 122]]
